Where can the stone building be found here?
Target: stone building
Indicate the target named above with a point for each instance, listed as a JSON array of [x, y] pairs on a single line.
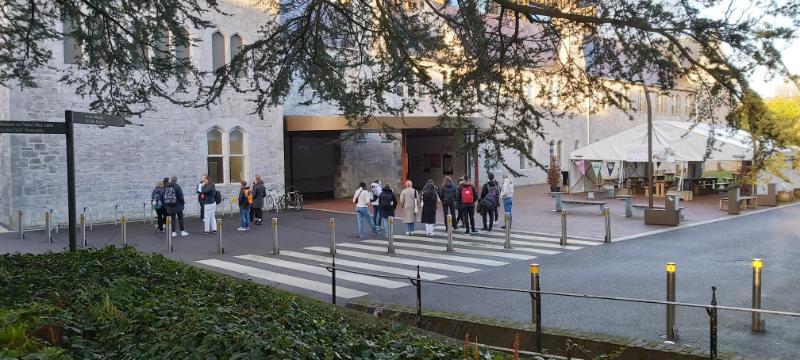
[[309, 147]]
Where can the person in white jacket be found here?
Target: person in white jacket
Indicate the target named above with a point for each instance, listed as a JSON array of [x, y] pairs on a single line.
[[506, 196], [361, 198]]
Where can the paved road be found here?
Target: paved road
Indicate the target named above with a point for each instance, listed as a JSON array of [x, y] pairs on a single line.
[[714, 254]]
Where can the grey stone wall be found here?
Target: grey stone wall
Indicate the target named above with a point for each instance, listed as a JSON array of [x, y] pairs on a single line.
[[367, 160], [119, 166], [5, 165]]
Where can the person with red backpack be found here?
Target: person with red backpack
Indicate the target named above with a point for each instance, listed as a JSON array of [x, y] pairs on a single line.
[[466, 202]]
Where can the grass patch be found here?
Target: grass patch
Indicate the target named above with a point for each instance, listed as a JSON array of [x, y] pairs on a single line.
[[122, 304]]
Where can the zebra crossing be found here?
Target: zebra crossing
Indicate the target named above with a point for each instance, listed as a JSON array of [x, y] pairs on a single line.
[[304, 270]]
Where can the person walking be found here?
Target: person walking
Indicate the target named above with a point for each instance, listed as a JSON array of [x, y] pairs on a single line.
[[408, 204], [387, 203], [259, 192], [361, 198], [200, 200], [157, 202], [466, 203], [507, 195], [490, 199], [245, 200], [173, 199], [458, 208], [376, 192], [209, 192], [429, 200], [447, 195]]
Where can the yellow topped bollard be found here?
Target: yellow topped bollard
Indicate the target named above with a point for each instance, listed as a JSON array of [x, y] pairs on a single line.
[[757, 323], [671, 268]]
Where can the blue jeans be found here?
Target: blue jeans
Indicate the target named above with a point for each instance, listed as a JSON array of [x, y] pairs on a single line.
[[507, 202], [386, 227], [410, 227], [244, 217], [377, 218], [361, 214]]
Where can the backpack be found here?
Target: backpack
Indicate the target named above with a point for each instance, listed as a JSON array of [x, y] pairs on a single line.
[[218, 197], [467, 195], [170, 197], [385, 201], [449, 194], [156, 202], [492, 196], [249, 195]]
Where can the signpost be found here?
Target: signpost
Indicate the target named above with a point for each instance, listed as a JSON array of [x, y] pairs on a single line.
[[66, 128]]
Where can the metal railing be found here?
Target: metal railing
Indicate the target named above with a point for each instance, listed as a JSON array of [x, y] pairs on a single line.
[[536, 293]]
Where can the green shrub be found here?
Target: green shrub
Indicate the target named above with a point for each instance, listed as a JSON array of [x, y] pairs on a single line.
[[122, 304]]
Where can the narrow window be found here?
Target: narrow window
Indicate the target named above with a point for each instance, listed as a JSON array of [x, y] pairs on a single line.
[[236, 45], [577, 145], [73, 49], [555, 92], [676, 105], [181, 43], [236, 156], [522, 160], [218, 49], [215, 159], [162, 44], [558, 151], [552, 148]]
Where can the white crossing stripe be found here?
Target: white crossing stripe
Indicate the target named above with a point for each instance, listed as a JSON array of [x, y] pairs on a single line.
[[516, 243], [439, 256], [455, 251], [361, 265], [536, 238], [396, 260], [313, 269], [476, 244], [294, 281]]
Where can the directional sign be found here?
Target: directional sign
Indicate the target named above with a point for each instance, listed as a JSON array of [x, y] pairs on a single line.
[[97, 119], [32, 127]]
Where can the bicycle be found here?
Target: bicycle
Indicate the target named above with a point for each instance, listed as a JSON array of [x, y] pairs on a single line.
[[293, 199], [272, 201]]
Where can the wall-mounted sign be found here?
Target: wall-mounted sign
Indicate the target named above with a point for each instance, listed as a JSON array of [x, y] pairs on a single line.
[[32, 127]]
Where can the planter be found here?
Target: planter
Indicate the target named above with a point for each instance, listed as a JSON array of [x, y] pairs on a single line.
[[785, 196], [797, 193], [555, 189]]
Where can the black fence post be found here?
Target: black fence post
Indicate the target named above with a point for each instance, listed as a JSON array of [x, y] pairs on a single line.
[[419, 299], [712, 328], [333, 280]]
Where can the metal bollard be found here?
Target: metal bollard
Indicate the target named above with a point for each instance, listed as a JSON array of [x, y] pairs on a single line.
[[607, 214], [47, 226], [89, 218], [83, 229], [332, 228], [116, 216], [124, 223], [419, 299], [563, 228], [671, 268], [536, 305], [169, 233], [390, 224], [54, 219], [449, 232], [507, 219], [220, 249], [757, 323], [20, 220], [275, 249], [333, 279]]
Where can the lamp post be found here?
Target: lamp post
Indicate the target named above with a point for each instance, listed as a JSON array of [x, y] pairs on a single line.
[[649, 144]]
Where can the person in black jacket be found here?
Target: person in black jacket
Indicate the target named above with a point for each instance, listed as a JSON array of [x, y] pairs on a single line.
[[449, 199], [173, 199], [259, 192], [157, 201], [490, 201], [387, 202]]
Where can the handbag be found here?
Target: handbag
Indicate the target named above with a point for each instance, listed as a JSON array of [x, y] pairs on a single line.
[[416, 201]]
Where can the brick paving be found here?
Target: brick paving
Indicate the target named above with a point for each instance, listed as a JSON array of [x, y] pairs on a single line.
[[533, 209]]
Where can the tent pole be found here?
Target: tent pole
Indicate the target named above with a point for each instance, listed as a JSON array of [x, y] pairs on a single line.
[[649, 144]]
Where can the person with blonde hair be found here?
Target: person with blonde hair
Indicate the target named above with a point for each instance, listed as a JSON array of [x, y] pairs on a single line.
[[507, 194], [408, 206]]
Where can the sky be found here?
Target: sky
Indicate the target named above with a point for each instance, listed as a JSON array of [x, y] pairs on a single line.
[[769, 88]]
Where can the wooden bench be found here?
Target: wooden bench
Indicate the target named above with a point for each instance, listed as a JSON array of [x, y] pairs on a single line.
[[657, 207], [740, 203], [671, 214]]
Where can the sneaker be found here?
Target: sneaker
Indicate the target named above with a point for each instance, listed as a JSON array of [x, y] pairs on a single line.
[[207, 233], [184, 233], [247, 229], [174, 234], [214, 231], [240, 229], [503, 227], [467, 232]]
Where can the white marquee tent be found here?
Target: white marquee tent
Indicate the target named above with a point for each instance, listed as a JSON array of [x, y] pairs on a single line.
[[673, 141]]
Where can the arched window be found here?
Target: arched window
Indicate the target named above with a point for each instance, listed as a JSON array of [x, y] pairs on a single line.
[[214, 157], [552, 150], [676, 105], [236, 156], [162, 44], [73, 49], [182, 42], [218, 50], [558, 151], [236, 45], [577, 145]]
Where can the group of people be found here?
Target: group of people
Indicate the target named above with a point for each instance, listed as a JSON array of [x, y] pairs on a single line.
[[458, 201], [167, 199]]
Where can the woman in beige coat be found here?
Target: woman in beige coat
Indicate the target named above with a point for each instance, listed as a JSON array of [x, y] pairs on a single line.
[[408, 206]]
